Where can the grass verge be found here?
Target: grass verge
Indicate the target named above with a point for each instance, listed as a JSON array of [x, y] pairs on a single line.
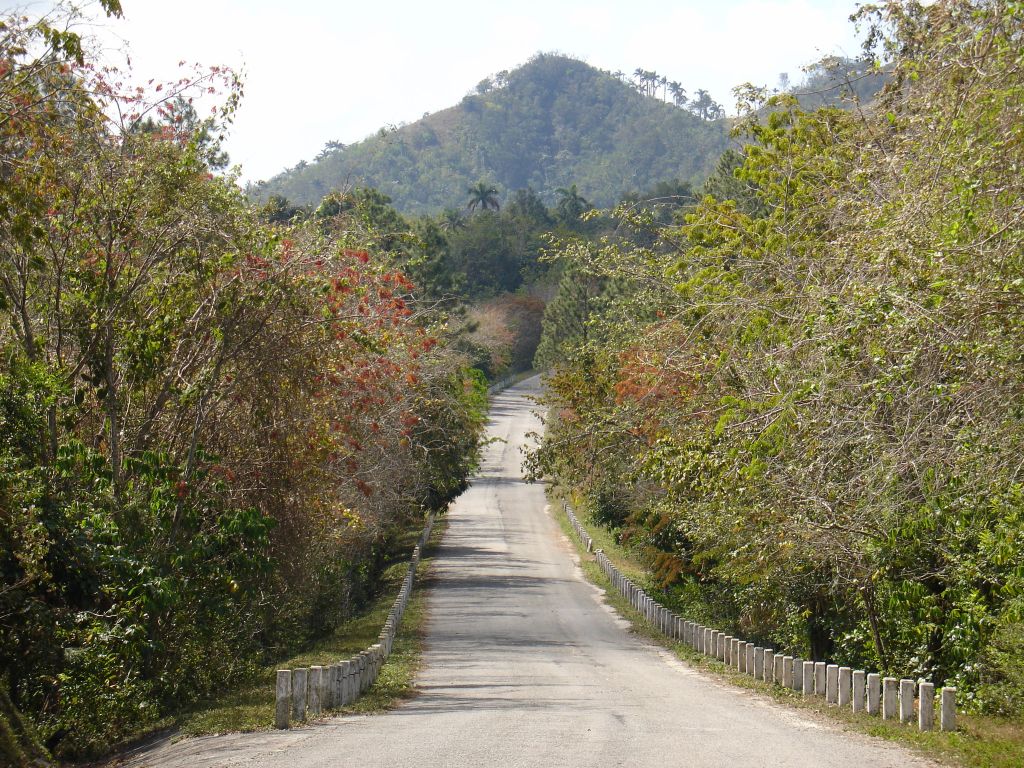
[[251, 707], [980, 742]]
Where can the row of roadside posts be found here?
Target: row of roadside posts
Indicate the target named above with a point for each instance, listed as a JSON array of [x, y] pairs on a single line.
[[306, 693], [890, 697]]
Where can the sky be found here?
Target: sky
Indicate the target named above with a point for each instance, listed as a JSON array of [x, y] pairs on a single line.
[[317, 70]]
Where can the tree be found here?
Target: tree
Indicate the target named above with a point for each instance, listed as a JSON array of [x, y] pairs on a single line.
[[189, 396], [705, 107], [484, 196], [451, 220], [801, 406], [678, 93], [571, 205]]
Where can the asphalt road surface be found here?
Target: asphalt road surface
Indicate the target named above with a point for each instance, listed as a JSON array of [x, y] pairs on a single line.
[[526, 666]]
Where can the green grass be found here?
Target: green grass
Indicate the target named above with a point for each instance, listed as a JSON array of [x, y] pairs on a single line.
[[251, 706], [980, 741]]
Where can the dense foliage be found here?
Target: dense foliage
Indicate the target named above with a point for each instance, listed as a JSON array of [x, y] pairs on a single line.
[[551, 123], [803, 402], [211, 427]]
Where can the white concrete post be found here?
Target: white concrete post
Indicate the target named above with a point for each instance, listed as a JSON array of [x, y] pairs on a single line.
[[351, 680], [947, 711], [820, 669], [808, 682], [845, 686], [378, 661], [889, 686], [342, 683], [798, 675], [299, 682], [874, 693], [758, 667], [364, 671], [739, 652], [769, 664], [907, 700], [283, 699], [858, 690], [926, 707], [787, 672], [832, 683], [778, 666], [315, 687], [328, 697], [330, 686]]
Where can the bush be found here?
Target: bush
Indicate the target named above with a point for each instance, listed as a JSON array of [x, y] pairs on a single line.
[[1002, 672]]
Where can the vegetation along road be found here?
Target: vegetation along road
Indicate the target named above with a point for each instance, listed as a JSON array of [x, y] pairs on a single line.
[[526, 666]]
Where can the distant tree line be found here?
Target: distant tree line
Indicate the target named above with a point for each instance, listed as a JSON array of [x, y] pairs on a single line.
[[649, 83]]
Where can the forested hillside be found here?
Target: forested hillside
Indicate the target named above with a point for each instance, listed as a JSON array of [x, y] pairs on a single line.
[[551, 123], [801, 402]]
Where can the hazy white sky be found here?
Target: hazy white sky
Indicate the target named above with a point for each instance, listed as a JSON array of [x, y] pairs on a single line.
[[317, 70]]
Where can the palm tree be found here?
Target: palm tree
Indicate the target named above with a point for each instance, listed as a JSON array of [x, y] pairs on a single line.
[[451, 220], [678, 93], [483, 195], [651, 78], [571, 204], [703, 104]]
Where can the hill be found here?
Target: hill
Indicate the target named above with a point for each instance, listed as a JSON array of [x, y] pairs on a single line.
[[551, 123]]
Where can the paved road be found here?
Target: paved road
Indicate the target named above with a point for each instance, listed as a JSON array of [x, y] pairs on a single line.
[[525, 666]]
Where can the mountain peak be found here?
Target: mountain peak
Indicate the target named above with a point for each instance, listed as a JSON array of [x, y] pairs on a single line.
[[550, 123]]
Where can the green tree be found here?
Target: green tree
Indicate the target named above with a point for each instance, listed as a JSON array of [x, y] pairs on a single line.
[[571, 205], [798, 403], [484, 196]]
